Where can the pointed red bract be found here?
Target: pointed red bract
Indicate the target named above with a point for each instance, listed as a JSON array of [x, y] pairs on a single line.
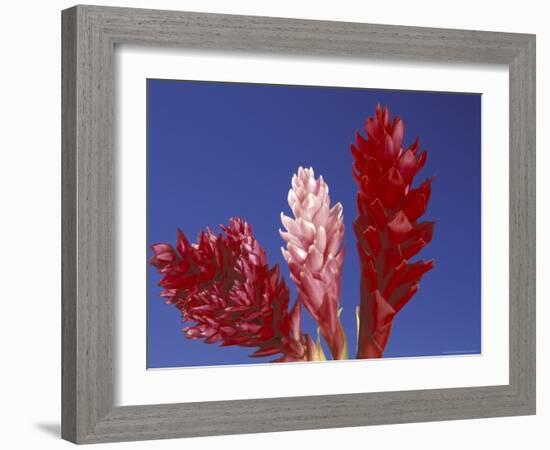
[[223, 286], [387, 228]]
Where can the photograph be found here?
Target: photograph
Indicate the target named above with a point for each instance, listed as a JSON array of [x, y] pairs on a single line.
[[290, 223]]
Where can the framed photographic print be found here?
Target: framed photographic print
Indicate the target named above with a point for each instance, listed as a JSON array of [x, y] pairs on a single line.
[[301, 224], [269, 142]]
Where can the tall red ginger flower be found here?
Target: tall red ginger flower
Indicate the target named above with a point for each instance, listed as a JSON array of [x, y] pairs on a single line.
[[223, 285], [387, 228]]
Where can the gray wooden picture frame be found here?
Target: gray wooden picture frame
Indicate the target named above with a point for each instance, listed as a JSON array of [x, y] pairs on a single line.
[[90, 34]]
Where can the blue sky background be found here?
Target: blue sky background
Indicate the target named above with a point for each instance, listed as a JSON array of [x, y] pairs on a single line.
[[218, 150]]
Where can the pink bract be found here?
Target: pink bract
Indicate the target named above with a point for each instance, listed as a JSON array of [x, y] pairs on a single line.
[[315, 254]]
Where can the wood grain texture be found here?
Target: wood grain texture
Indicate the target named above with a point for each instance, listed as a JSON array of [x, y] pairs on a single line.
[[89, 37], [68, 225]]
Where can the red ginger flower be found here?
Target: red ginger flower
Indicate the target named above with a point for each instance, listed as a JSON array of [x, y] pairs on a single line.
[[387, 228], [224, 286]]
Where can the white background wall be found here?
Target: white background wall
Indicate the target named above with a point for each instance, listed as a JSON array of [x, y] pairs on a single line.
[[31, 208]]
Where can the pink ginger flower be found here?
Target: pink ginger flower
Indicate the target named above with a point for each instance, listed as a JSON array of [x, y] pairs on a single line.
[[315, 254]]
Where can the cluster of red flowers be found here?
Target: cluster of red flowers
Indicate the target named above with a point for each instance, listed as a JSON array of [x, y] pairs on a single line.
[[228, 294], [224, 285]]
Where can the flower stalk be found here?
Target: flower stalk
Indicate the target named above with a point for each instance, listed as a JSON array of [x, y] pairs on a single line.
[[315, 254], [387, 227], [222, 285]]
